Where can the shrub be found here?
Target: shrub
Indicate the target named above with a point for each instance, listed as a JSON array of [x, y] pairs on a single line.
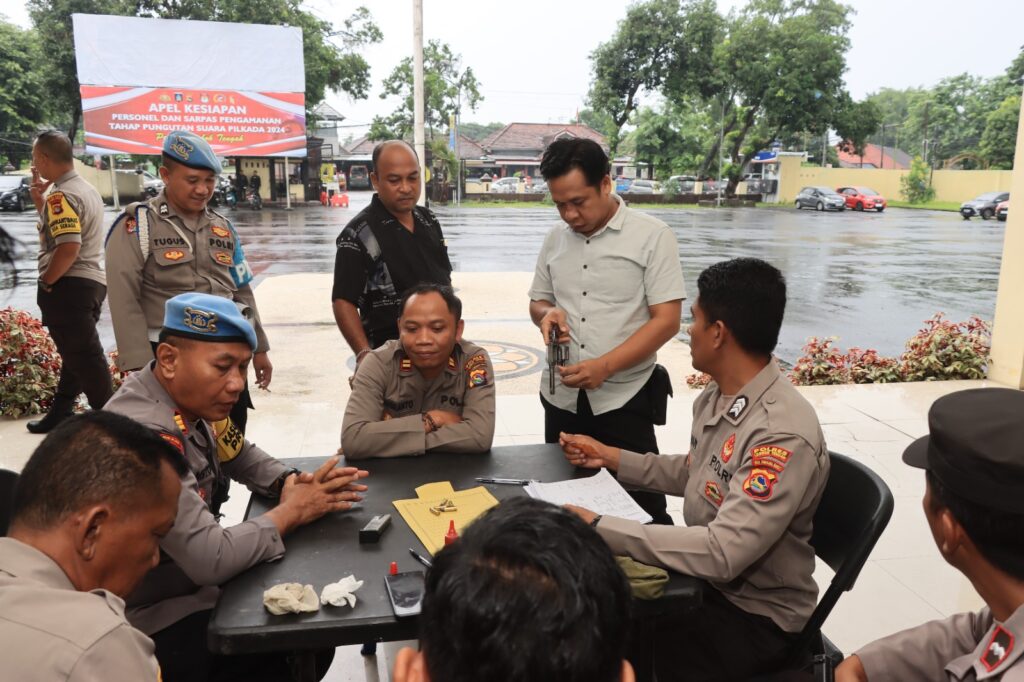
[[29, 365], [698, 380], [822, 364], [944, 350], [916, 184]]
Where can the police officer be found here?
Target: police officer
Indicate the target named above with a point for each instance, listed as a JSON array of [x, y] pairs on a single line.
[[751, 483], [174, 244], [185, 395], [388, 247], [974, 474], [81, 538], [429, 390], [72, 285]]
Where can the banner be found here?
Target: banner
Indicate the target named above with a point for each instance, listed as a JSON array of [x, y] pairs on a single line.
[[239, 86], [136, 120]]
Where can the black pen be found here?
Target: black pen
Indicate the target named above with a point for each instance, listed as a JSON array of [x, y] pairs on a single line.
[[504, 481], [420, 558]]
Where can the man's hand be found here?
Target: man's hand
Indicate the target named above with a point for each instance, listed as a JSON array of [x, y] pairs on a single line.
[[587, 374], [851, 670], [585, 514], [37, 189], [444, 418], [554, 316], [264, 370], [306, 497], [584, 451]]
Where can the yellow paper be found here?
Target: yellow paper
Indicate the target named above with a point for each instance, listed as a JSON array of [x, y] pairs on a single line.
[[430, 528]]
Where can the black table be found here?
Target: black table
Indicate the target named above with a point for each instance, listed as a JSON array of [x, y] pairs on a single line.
[[329, 549]]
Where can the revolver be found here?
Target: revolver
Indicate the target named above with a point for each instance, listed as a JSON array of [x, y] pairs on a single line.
[[557, 355]]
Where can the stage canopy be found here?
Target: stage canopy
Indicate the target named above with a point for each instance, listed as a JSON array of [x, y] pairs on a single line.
[[240, 86]]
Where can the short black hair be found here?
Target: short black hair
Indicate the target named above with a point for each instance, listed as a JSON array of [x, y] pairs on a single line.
[[998, 535], [390, 143], [91, 458], [529, 592], [749, 296], [55, 145], [563, 155], [453, 302]]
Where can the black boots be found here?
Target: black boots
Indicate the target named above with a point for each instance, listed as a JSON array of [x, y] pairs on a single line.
[[61, 410]]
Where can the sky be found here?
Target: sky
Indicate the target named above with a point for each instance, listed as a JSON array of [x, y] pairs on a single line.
[[532, 57]]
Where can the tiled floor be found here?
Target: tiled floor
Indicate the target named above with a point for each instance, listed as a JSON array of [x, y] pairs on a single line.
[[904, 583]]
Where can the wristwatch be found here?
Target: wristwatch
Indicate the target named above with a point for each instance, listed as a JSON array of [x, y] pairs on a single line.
[[595, 521], [278, 485]]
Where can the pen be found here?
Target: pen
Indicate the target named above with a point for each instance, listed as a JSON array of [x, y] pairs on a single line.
[[504, 481], [419, 557]]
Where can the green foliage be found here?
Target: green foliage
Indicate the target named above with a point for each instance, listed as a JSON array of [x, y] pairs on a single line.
[[999, 140], [598, 120], [23, 100], [29, 365], [916, 186], [478, 131], [444, 84], [854, 122]]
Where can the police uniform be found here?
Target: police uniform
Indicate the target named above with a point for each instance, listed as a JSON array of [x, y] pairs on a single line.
[[50, 631], [198, 554], [389, 396], [751, 483], [153, 254], [973, 450], [73, 213]]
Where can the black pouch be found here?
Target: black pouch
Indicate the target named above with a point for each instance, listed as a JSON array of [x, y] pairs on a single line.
[[659, 388]]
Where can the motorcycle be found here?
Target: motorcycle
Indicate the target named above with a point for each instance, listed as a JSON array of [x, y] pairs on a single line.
[[255, 201]]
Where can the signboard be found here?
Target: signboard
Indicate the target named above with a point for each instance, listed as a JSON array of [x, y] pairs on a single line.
[[239, 86]]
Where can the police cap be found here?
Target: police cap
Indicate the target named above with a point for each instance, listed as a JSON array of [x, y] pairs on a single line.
[[190, 150], [205, 317], [975, 446]]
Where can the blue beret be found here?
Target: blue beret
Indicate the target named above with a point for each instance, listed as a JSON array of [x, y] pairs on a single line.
[[191, 150], [206, 317]]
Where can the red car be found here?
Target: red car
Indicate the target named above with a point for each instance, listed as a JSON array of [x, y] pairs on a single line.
[[861, 198], [1002, 210]]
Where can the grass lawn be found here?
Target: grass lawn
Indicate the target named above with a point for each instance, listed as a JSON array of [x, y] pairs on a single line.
[[931, 205]]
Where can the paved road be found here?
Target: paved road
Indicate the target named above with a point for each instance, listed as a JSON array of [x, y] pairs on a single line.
[[868, 278]]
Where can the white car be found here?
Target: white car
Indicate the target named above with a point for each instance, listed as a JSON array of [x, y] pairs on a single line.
[[505, 186]]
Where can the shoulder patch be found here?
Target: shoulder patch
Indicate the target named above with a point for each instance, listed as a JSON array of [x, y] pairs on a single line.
[[451, 362], [229, 439], [998, 649], [768, 462], [174, 441], [180, 421], [760, 484], [62, 218], [738, 407], [476, 371], [405, 365]]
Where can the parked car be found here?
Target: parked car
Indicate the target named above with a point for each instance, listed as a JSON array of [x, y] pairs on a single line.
[[821, 199], [710, 186], [861, 198], [505, 186], [151, 184], [644, 187], [539, 186], [359, 177], [680, 184], [983, 205], [622, 184], [15, 192], [1002, 210]]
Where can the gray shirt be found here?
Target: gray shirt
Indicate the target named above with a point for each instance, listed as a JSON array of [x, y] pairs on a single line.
[[50, 631], [73, 213], [605, 283]]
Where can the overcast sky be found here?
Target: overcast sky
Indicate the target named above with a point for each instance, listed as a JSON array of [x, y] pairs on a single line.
[[532, 57]]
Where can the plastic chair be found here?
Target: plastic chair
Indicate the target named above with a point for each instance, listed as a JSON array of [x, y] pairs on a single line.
[[854, 510], [7, 481]]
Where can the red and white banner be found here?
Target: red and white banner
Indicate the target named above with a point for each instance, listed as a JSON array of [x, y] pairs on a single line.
[[135, 120]]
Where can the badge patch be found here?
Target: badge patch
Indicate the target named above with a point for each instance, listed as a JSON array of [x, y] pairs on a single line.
[[999, 647], [222, 257], [476, 370], [222, 232], [738, 406], [713, 493], [405, 365], [130, 226], [727, 449], [175, 441], [173, 254], [164, 210], [451, 362], [182, 148], [760, 484], [61, 217], [54, 201], [201, 321], [180, 423], [770, 455], [229, 439]]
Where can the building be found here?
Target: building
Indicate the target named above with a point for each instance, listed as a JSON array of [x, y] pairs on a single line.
[[517, 147], [875, 156]]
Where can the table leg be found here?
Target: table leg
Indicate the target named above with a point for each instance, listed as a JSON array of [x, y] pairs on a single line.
[[303, 666]]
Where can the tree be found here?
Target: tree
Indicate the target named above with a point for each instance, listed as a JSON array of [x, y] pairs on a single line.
[[445, 83], [854, 122], [328, 66], [671, 139], [598, 120], [478, 131], [22, 97], [916, 184], [999, 140]]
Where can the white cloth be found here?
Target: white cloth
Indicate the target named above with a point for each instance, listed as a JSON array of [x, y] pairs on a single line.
[[290, 598], [341, 592]]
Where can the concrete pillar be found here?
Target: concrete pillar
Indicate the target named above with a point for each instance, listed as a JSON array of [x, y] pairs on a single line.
[[1007, 362]]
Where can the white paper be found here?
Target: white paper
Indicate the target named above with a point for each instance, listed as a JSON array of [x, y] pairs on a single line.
[[599, 493]]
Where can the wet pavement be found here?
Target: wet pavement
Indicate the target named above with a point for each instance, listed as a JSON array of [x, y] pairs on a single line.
[[869, 278]]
